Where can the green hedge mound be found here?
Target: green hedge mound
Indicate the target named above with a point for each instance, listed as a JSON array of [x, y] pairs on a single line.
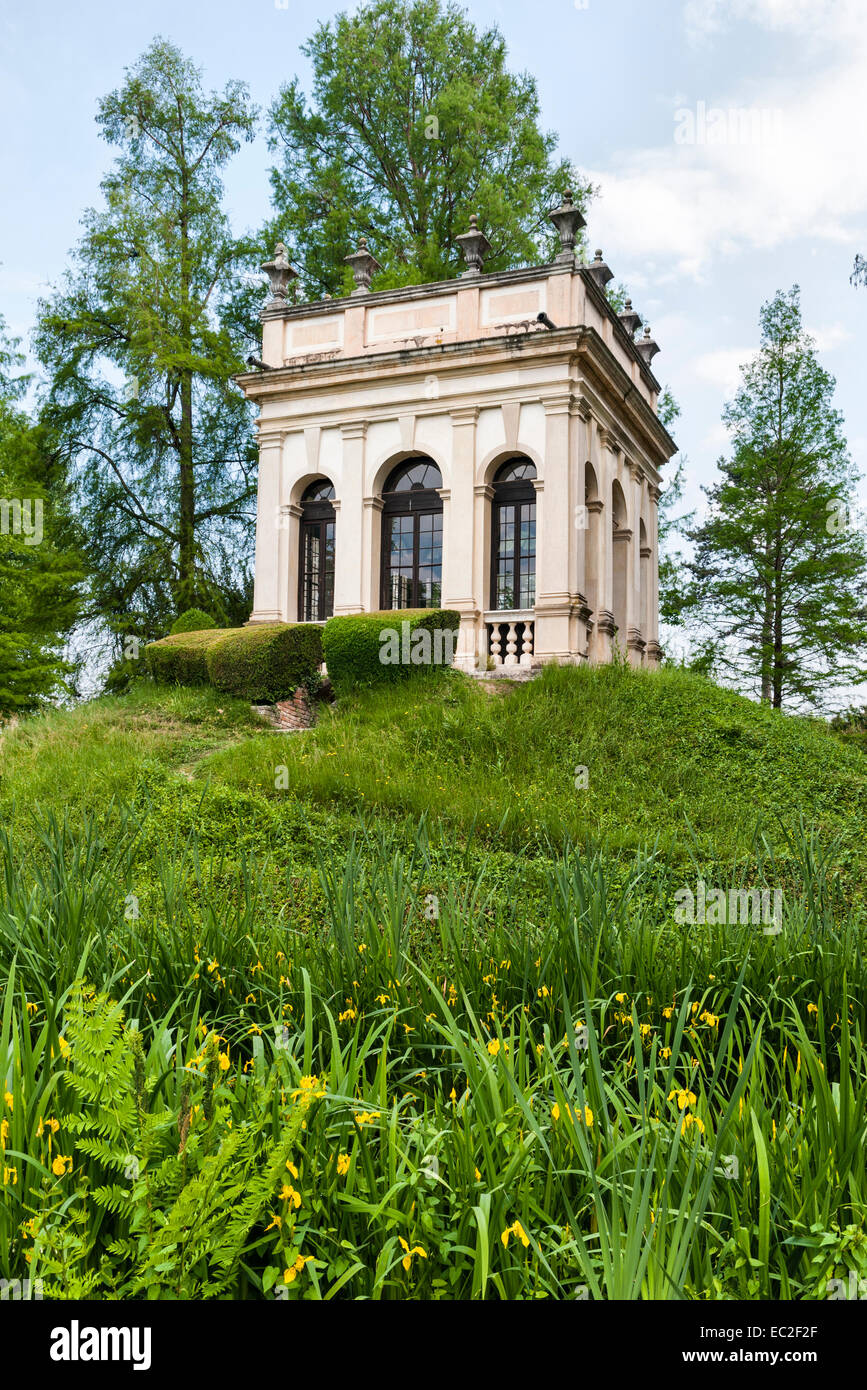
[[366, 649], [266, 663], [180, 660], [194, 620]]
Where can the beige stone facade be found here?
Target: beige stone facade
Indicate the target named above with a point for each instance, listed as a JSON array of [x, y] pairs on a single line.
[[464, 374]]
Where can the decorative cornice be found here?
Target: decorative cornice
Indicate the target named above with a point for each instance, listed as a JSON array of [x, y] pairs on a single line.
[[464, 414], [374, 504], [483, 490], [354, 429]]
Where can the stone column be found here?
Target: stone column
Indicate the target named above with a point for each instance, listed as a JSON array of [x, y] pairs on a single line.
[[268, 602], [483, 496], [459, 591], [554, 533], [581, 626], [636, 640], [290, 560], [654, 651], [352, 543], [371, 554], [603, 463]]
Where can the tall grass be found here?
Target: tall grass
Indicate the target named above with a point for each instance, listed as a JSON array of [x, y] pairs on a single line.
[[481, 1095]]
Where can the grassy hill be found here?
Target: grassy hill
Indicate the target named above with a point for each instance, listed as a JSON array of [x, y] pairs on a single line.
[[346, 952]]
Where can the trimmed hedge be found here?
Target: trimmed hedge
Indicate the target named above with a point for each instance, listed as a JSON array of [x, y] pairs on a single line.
[[266, 662], [376, 648], [194, 620], [180, 660]]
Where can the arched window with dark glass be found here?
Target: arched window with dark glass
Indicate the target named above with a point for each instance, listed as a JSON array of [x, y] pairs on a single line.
[[513, 552], [316, 577], [412, 536]]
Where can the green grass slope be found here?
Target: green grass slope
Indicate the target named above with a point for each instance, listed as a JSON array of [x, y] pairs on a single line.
[[286, 972]]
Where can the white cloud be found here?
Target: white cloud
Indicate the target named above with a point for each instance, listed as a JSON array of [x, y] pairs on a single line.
[[722, 367], [830, 336], [691, 204]]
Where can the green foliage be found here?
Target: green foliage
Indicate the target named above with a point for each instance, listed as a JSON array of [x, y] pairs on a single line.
[[358, 654], [266, 662], [415, 123], [194, 620], [140, 343], [40, 560], [779, 574], [182, 658]]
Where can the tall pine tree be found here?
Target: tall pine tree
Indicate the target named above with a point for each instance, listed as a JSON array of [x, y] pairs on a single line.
[[141, 343], [777, 576]]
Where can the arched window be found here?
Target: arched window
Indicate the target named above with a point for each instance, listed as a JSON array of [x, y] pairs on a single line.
[[513, 549], [412, 536], [316, 571]]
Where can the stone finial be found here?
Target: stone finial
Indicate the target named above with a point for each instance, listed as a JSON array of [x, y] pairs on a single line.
[[568, 220], [630, 320], [601, 272], [475, 246], [364, 266], [279, 272], [647, 346]]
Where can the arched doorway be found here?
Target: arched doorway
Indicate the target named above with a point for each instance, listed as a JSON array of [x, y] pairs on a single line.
[[513, 543], [316, 568], [412, 536]]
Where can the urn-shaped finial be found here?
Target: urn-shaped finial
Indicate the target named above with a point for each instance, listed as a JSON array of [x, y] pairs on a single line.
[[475, 246], [568, 220], [279, 273], [364, 266]]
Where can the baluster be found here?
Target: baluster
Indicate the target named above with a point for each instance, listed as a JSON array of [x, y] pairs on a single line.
[[495, 644], [511, 646], [527, 645]]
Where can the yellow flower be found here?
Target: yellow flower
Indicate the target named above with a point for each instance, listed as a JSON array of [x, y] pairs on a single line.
[[812, 1009], [4, 1133], [683, 1097], [478, 1175], [666, 1013], [224, 1061], [621, 998], [10, 1175], [693, 1120], [712, 1020], [276, 1221], [61, 1165], [343, 1162], [65, 1049], [416, 1250], [517, 1230], [7, 1099], [555, 1111], [288, 1194], [290, 1166], [494, 1046]]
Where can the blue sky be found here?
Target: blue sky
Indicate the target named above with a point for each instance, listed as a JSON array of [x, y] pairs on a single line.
[[703, 216]]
